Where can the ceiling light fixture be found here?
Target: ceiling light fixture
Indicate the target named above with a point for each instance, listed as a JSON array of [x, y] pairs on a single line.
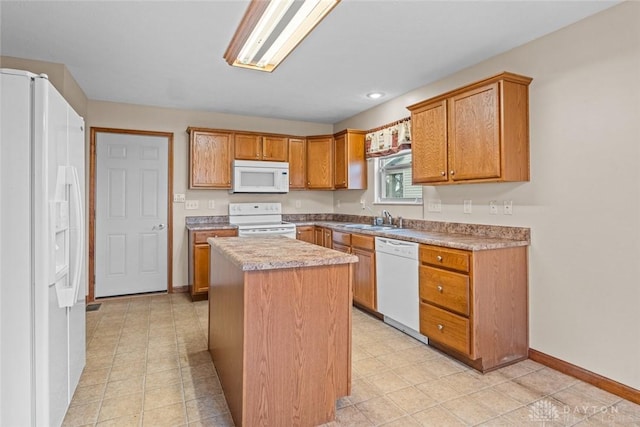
[[271, 29], [375, 95]]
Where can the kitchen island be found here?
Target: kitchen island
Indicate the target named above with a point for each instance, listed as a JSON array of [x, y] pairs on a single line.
[[280, 329]]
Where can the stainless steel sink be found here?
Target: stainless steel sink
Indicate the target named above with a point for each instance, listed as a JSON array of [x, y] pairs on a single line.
[[369, 227]]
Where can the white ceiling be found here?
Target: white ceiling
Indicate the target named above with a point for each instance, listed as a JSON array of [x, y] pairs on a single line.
[[169, 53]]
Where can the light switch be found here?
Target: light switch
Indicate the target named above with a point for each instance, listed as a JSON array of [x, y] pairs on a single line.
[[212, 204], [191, 204], [178, 198], [434, 205]]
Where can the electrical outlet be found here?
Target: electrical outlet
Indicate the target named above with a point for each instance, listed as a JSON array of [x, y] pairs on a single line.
[[434, 205], [467, 207], [493, 207], [298, 204], [338, 203], [363, 204], [178, 198], [212, 204], [508, 207], [191, 204]]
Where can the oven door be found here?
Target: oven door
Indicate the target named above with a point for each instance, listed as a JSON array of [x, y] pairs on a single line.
[[278, 231]]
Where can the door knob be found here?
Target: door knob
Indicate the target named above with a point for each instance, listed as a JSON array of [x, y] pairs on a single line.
[[159, 227]]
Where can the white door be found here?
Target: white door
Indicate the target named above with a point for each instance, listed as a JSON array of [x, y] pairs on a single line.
[[131, 214]]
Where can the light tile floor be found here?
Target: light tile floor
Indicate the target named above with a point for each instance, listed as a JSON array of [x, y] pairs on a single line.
[[147, 364]]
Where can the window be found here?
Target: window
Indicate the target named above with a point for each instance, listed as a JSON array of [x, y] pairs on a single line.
[[393, 180]]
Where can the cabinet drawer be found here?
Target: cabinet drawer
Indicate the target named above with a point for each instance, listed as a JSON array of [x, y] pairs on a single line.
[[445, 327], [445, 288], [444, 257], [342, 238], [202, 236], [363, 242]]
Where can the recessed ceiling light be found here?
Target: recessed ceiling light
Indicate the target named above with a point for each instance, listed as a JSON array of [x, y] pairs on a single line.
[[375, 95]]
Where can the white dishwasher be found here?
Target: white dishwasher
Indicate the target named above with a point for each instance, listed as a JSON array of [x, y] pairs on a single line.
[[397, 285]]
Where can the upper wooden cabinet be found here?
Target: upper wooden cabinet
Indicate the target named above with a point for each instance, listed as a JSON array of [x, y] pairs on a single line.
[[297, 163], [478, 133], [320, 162], [250, 146], [210, 154], [349, 160], [315, 163]]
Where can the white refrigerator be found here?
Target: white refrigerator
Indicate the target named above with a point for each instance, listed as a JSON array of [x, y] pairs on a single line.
[[42, 251]]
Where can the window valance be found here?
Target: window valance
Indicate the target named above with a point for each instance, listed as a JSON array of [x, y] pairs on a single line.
[[389, 139]]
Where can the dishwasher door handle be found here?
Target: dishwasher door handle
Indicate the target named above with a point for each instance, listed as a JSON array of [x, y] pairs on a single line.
[[395, 242]]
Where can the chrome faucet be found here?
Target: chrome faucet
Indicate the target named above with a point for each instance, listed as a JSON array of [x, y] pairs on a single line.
[[387, 214]]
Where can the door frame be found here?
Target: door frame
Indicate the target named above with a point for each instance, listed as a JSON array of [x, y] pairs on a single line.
[[92, 201]]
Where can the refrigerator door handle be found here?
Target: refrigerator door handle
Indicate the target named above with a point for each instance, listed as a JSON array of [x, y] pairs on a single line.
[[68, 295], [80, 232]]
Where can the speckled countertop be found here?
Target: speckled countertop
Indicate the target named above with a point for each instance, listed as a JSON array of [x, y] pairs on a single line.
[[276, 252], [468, 242], [471, 237]]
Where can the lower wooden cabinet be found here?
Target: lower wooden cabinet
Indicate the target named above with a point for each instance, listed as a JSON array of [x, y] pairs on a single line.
[[199, 260], [305, 233], [364, 280], [322, 237], [364, 271], [473, 305]]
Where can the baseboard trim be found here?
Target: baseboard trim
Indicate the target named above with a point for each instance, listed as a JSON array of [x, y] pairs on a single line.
[[180, 289], [592, 378]]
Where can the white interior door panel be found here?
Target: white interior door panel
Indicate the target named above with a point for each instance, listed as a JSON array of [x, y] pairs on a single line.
[[131, 214]]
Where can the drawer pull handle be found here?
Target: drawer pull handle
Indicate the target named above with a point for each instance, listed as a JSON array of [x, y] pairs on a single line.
[[439, 288], [440, 327], [439, 258]]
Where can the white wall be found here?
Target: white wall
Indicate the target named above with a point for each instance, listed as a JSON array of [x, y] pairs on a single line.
[[583, 201], [126, 116]]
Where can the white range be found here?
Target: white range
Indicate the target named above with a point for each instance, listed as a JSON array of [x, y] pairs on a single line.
[[260, 219]]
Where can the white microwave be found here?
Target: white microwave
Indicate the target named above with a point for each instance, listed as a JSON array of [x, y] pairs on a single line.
[[250, 176]]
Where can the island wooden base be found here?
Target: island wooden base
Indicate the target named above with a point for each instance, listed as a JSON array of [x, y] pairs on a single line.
[[281, 341]]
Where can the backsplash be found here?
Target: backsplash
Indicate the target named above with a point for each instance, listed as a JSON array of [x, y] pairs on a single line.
[[496, 231]]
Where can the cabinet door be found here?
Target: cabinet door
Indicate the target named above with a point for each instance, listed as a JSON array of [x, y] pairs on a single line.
[[327, 238], [320, 163], [474, 134], [340, 161], [297, 163], [274, 148], [318, 233], [429, 143], [201, 252], [248, 146], [364, 280], [305, 233], [210, 160], [201, 268]]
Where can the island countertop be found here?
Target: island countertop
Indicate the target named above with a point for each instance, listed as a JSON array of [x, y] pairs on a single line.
[[276, 252]]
